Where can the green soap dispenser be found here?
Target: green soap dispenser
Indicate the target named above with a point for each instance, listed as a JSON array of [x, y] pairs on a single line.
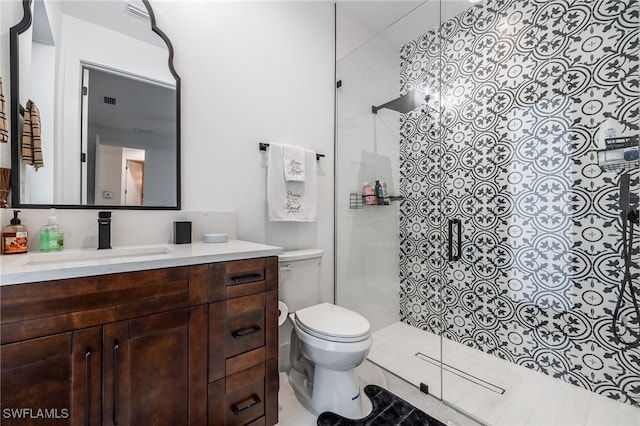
[[51, 235]]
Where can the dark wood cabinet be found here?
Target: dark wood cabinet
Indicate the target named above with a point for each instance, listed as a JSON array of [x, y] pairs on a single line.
[[52, 380], [146, 365], [243, 315], [176, 346]]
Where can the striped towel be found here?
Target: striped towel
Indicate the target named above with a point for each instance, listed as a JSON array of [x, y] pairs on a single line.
[[4, 130], [31, 143]]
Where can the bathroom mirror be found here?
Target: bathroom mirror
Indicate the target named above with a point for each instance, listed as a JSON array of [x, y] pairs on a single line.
[[101, 76]]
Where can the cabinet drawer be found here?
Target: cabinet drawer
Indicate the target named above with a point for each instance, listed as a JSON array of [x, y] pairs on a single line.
[[244, 398], [244, 324], [245, 404], [244, 361], [244, 271], [50, 307], [237, 278]]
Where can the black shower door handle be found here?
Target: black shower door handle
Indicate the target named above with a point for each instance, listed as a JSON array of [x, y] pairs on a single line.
[[458, 255]]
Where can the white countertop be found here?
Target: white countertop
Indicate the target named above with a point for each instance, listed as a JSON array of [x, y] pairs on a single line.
[[34, 266]]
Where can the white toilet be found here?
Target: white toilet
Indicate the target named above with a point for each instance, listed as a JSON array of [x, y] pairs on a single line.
[[327, 341]]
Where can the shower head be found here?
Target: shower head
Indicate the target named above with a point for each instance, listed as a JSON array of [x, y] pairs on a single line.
[[405, 103]]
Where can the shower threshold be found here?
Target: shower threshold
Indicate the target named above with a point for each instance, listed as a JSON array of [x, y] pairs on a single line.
[[451, 369], [489, 389]]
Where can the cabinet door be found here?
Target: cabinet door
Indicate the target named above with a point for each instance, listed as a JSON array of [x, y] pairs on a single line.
[[146, 374], [53, 380]]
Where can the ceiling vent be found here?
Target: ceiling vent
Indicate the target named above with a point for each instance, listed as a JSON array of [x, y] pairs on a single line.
[[137, 11], [109, 100]]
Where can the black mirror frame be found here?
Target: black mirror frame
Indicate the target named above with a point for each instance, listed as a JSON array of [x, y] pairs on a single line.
[[14, 72]]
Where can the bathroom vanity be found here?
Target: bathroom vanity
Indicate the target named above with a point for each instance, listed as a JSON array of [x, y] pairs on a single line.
[[186, 337]]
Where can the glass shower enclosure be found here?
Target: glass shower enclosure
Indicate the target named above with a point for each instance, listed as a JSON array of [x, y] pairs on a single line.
[[503, 261]]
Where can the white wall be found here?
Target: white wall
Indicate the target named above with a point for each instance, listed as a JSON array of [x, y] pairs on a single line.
[[359, 21], [39, 187], [250, 72], [254, 72]]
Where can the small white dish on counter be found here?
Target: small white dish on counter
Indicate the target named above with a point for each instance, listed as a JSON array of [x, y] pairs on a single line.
[[215, 238]]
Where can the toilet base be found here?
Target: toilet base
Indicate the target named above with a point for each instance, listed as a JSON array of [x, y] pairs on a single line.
[[302, 388], [331, 390]]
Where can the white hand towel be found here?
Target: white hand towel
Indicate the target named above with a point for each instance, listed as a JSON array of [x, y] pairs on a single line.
[[291, 201], [294, 163]]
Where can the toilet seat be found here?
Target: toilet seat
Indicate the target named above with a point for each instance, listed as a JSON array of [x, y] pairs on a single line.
[[333, 323]]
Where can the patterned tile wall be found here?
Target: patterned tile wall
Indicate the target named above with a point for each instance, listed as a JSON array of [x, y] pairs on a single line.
[[521, 93]]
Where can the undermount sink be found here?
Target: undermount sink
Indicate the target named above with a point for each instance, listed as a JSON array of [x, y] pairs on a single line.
[[95, 254]]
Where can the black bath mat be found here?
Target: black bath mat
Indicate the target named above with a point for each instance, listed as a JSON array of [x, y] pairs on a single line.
[[388, 410]]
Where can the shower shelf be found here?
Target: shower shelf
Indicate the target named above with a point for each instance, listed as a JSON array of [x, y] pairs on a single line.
[[356, 200], [612, 157]]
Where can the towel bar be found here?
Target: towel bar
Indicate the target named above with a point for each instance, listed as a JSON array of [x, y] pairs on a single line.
[[263, 147]]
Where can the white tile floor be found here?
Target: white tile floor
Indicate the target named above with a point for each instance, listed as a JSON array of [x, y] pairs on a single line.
[[529, 398], [291, 412]]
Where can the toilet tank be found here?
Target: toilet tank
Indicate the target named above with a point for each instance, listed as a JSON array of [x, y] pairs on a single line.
[[299, 278]]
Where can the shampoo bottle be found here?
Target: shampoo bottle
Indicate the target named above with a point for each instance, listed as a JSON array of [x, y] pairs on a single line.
[[385, 194], [51, 235], [15, 238], [379, 193], [369, 194]]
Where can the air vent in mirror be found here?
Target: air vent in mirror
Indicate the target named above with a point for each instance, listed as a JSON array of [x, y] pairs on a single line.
[[135, 10]]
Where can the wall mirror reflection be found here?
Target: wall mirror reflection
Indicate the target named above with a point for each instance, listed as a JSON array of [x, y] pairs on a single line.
[[100, 91]]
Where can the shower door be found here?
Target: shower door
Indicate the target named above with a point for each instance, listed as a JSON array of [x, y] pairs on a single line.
[[505, 277], [539, 131], [388, 256]]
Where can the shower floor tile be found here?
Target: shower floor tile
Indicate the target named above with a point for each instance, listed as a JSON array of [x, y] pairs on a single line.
[[488, 388]]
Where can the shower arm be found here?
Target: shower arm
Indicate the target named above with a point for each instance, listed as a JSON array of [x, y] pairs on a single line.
[[405, 103]]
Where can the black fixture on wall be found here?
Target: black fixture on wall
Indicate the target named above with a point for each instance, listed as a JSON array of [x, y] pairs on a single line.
[[629, 215], [262, 146], [405, 103]]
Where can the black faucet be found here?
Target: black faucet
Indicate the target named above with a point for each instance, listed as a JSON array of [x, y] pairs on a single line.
[[104, 230]]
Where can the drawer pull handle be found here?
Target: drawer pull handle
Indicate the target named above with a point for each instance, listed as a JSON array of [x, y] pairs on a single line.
[[240, 407], [246, 331], [246, 278]]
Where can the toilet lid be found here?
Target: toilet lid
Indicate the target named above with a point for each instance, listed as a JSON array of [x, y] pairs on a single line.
[[331, 322]]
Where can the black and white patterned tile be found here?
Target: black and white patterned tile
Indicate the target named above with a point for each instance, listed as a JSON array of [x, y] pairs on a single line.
[[520, 94]]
